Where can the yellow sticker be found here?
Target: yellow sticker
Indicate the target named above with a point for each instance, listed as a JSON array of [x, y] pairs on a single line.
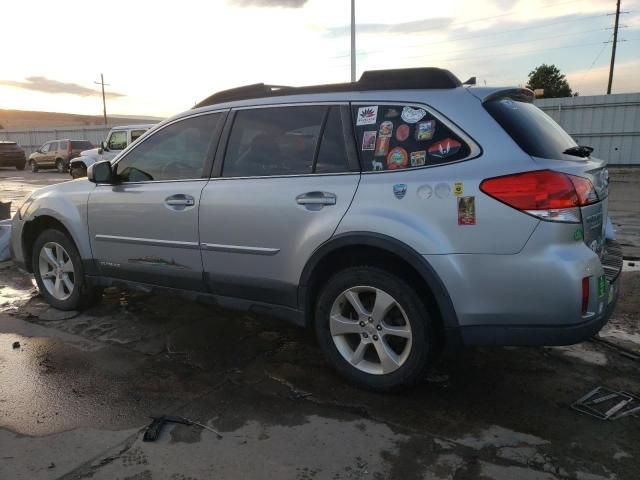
[[458, 189]]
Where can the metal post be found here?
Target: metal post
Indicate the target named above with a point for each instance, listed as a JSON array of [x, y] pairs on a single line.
[[353, 39], [613, 48]]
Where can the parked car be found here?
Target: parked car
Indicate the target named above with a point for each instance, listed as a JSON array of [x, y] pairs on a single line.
[[118, 139], [57, 154], [398, 217], [12, 155]]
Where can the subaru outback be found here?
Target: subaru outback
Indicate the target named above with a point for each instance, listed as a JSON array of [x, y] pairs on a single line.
[[399, 217]]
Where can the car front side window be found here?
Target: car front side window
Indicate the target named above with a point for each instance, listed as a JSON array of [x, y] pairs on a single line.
[[45, 148], [118, 140], [176, 152]]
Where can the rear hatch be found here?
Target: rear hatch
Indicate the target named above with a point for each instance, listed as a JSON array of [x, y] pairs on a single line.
[[10, 149], [553, 149]]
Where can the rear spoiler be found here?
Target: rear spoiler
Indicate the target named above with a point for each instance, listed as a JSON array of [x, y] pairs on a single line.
[[517, 94]]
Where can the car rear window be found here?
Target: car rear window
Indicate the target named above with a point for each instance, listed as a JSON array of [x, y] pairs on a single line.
[[394, 137], [532, 129], [8, 145], [80, 145]]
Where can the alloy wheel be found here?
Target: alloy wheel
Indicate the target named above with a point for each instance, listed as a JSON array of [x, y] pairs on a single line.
[[56, 270], [370, 330]]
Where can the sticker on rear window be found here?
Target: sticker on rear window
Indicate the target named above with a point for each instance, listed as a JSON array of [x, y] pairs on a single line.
[[397, 158], [418, 158], [425, 130], [382, 145], [402, 133], [367, 115], [412, 115], [444, 148], [369, 140]]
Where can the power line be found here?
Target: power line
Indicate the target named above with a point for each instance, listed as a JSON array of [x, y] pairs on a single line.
[[604, 45]]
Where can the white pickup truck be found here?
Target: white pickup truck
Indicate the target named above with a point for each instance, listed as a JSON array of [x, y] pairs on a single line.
[[118, 139]]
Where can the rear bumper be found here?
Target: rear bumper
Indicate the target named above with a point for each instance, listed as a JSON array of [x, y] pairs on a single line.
[[12, 160]]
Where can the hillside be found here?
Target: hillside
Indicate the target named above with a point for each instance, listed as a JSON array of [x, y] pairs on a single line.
[[21, 119]]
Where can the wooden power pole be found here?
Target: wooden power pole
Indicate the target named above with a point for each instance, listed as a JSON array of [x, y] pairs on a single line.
[[104, 102], [613, 47]]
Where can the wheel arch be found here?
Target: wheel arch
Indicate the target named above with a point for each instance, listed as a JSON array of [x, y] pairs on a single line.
[[381, 250], [31, 231]]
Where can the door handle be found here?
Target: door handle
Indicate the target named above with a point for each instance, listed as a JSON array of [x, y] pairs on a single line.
[[318, 199], [179, 201]]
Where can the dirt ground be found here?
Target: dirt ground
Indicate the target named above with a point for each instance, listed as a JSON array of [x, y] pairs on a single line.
[[77, 393]]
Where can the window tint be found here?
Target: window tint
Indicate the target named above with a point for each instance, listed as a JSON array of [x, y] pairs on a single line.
[[64, 145], [136, 134], [273, 141], [393, 137], [118, 140], [176, 152], [81, 145], [332, 156], [531, 128]]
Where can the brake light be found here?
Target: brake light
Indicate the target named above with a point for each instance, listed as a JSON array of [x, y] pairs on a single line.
[[585, 295], [69, 148], [544, 194]]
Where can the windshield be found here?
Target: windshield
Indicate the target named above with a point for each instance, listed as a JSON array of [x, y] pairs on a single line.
[[532, 129]]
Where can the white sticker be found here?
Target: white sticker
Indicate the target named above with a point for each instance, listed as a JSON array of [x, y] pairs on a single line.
[[412, 115], [367, 115]]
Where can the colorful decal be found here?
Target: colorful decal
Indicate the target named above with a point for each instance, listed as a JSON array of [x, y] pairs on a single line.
[[367, 115], [458, 189], [377, 165], [402, 133], [602, 286], [425, 130], [425, 192], [418, 158], [412, 115], [578, 235], [443, 190], [369, 140], [386, 129], [466, 210], [397, 158], [400, 190], [392, 113], [382, 145], [445, 148]]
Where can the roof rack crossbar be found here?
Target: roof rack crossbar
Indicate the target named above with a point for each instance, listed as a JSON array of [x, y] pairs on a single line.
[[398, 79]]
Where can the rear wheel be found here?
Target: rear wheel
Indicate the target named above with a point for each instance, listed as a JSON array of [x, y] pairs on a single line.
[[20, 166], [59, 273], [33, 165], [374, 329], [60, 165]]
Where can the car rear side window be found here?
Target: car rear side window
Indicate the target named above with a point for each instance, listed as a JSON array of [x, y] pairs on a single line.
[[176, 152], [64, 145], [136, 134], [395, 137], [532, 129], [273, 141]]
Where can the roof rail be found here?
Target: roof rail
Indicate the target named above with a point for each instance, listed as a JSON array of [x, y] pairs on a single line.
[[397, 79]]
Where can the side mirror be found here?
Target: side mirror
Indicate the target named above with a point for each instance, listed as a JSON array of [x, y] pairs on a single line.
[[100, 172], [104, 146]]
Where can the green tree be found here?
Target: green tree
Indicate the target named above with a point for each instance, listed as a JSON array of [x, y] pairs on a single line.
[[549, 78]]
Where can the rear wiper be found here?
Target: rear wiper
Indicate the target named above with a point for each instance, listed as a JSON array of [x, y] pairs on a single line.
[[579, 151]]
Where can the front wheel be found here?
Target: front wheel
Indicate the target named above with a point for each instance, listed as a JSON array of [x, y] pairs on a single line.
[[59, 273], [374, 329], [33, 165]]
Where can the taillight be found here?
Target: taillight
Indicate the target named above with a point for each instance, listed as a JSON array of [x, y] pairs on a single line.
[[69, 149], [585, 295], [545, 194]]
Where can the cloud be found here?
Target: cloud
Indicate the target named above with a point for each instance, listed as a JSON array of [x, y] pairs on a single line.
[[47, 85], [416, 26], [268, 3]]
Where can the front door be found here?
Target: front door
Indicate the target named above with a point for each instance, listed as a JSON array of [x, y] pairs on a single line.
[[144, 227], [281, 193]]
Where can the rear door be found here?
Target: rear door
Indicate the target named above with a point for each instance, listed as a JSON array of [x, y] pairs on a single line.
[[279, 191], [45, 158], [144, 227]]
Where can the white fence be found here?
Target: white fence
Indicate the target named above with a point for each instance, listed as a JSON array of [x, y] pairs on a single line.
[[31, 140], [608, 123]]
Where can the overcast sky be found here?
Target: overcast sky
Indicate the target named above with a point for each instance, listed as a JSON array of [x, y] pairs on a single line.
[[162, 57]]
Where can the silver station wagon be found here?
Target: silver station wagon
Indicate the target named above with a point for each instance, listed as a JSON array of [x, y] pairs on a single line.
[[400, 216]]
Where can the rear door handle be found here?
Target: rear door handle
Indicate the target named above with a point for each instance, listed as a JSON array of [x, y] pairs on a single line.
[[179, 201], [317, 199]]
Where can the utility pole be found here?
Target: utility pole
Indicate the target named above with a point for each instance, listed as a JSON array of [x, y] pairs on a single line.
[[613, 47], [104, 102], [353, 39]]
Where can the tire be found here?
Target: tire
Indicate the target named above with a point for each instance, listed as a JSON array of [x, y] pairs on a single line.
[[21, 166], [405, 329], [78, 171], [33, 165], [76, 297], [60, 165]]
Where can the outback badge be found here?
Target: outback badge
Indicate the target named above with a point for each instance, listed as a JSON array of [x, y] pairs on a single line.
[[400, 190]]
